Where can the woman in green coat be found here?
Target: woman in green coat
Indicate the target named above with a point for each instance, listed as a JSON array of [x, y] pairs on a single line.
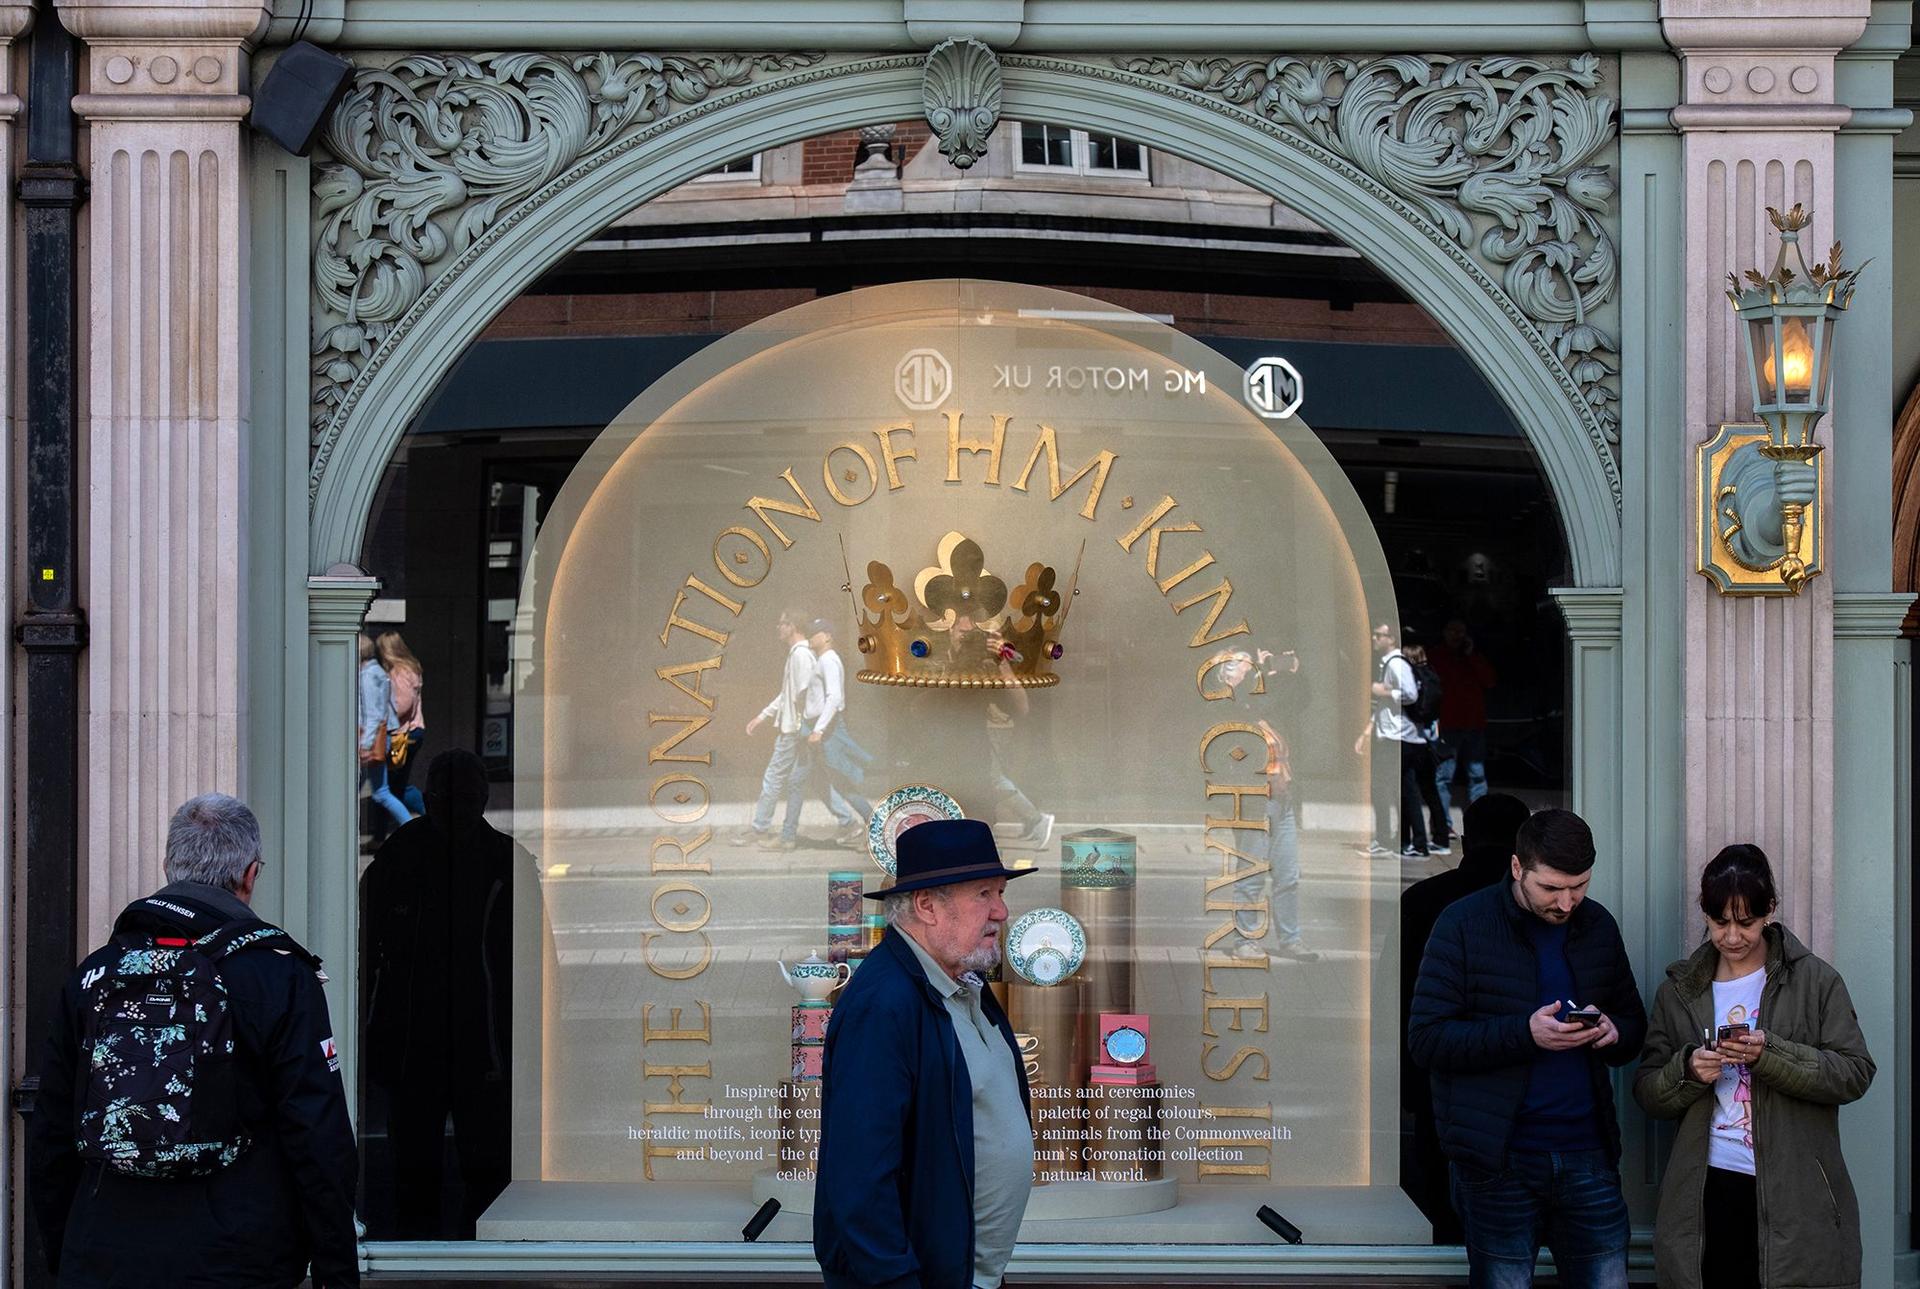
[[1754, 1048]]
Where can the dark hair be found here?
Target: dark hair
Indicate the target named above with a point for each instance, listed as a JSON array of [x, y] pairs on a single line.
[[1739, 872], [1560, 839], [1492, 821]]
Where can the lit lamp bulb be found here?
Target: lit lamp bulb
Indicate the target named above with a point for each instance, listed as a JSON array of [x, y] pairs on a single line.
[[1797, 351]]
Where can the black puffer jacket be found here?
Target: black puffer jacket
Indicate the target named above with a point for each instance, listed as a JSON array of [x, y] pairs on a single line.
[[256, 1224], [1471, 1008]]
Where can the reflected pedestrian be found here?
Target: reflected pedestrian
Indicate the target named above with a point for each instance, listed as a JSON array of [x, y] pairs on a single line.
[[1392, 733], [793, 709], [437, 995], [403, 748], [1466, 676], [839, 761], [1270, 690], [377, 725], [1423, 712]]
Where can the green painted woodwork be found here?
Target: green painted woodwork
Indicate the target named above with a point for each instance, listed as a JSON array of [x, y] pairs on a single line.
[[1044, 26]]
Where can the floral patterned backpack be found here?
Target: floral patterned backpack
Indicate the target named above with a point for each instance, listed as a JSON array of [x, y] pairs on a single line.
[[159, 1068]]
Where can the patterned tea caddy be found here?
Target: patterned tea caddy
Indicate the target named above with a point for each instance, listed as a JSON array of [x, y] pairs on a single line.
[[815, 978]]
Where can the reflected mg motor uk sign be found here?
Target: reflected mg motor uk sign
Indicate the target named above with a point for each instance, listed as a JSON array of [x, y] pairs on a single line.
[[923, 379], [1273, 388]]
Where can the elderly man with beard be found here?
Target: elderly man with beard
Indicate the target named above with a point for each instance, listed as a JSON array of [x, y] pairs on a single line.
[[926, 1156]]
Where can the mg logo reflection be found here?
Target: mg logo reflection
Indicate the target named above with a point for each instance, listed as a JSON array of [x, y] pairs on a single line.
[[923, 379], [1274, 389]]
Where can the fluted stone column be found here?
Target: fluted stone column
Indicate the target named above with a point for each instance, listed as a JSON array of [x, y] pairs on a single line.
[[166, 410], [322, 912], [1757, 120]]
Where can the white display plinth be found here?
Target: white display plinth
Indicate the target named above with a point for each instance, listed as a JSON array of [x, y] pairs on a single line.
[[1201, 1214], [1054, 1202]]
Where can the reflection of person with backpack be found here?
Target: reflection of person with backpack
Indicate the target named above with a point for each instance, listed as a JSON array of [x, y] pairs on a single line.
[[191, 1127], [1424, 712], [436, 985]]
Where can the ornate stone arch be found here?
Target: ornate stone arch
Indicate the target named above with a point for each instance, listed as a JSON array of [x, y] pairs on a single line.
[[1906, 506], [1479, 185]]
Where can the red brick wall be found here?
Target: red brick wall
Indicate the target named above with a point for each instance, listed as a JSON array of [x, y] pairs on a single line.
[[830, 158]]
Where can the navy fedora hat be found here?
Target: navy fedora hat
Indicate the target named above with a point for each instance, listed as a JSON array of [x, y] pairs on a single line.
[[941, 852]]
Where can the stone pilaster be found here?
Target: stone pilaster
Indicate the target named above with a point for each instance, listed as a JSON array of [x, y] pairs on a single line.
[[1757, 121], [166, 412], [323, 912]]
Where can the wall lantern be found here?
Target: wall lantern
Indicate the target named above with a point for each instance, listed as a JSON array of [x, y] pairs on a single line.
[[1760, 521]]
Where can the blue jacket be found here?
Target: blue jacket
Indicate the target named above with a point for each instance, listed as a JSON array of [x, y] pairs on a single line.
[[893, 1203], [1471, 1005]]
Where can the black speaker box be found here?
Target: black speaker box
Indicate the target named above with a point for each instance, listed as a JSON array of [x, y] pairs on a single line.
[[291, 105]]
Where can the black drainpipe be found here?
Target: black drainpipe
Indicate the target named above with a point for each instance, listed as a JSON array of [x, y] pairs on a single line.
[[51, 628]]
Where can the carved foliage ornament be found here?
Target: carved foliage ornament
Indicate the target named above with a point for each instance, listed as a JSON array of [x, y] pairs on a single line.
[[1497, 152], [422, 157], [1500, 157], [962, 93]]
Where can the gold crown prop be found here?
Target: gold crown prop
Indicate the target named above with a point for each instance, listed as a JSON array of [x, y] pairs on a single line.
[[961, 628]]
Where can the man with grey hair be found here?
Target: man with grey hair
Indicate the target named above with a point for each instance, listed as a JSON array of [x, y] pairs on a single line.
[[926, 1154], [237, 1171]]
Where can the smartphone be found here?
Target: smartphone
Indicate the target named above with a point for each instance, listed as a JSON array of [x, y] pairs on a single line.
[[1585, 1017], [1740, 1030]]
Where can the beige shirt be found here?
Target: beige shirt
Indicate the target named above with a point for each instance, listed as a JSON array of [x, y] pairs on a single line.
[[1002, 1136]]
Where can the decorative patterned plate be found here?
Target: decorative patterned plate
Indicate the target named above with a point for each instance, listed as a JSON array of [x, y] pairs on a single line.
[[1046, 946], [903, 808], [1126, 1046]]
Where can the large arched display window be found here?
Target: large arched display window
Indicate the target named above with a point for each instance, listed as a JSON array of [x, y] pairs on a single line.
[[1080, 586], [598, 599]]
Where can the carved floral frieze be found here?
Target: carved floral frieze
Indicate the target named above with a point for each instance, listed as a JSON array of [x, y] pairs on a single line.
[[1501, 154], [1504, 161], [422, 157]]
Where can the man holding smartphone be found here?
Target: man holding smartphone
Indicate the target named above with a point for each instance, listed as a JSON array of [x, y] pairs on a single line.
[[1525, 997]]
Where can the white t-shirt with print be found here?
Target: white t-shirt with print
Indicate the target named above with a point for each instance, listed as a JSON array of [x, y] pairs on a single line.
[[1730, 1137]]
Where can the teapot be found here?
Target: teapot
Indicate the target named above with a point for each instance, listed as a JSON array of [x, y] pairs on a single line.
[[816, 980]]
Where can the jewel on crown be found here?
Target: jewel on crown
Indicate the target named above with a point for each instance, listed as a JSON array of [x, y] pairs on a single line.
[[961, 628]]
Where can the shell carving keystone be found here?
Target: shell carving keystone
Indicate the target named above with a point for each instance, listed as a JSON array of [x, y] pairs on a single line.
[[962, 96]]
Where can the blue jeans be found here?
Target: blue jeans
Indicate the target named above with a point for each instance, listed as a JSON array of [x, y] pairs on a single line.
[[1569, 1201], [1469, 746], [1279, 887], [788, 770], [374, 776], [839, 765]]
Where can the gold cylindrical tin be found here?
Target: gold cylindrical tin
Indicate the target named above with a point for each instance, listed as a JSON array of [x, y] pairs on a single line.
[[797, 1121], [1046, 1015], [1104, 982], [1050, 1015], [1124, 1125]]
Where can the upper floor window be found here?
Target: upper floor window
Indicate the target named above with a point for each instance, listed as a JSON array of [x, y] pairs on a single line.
[[1044, 146], [747, 167]]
